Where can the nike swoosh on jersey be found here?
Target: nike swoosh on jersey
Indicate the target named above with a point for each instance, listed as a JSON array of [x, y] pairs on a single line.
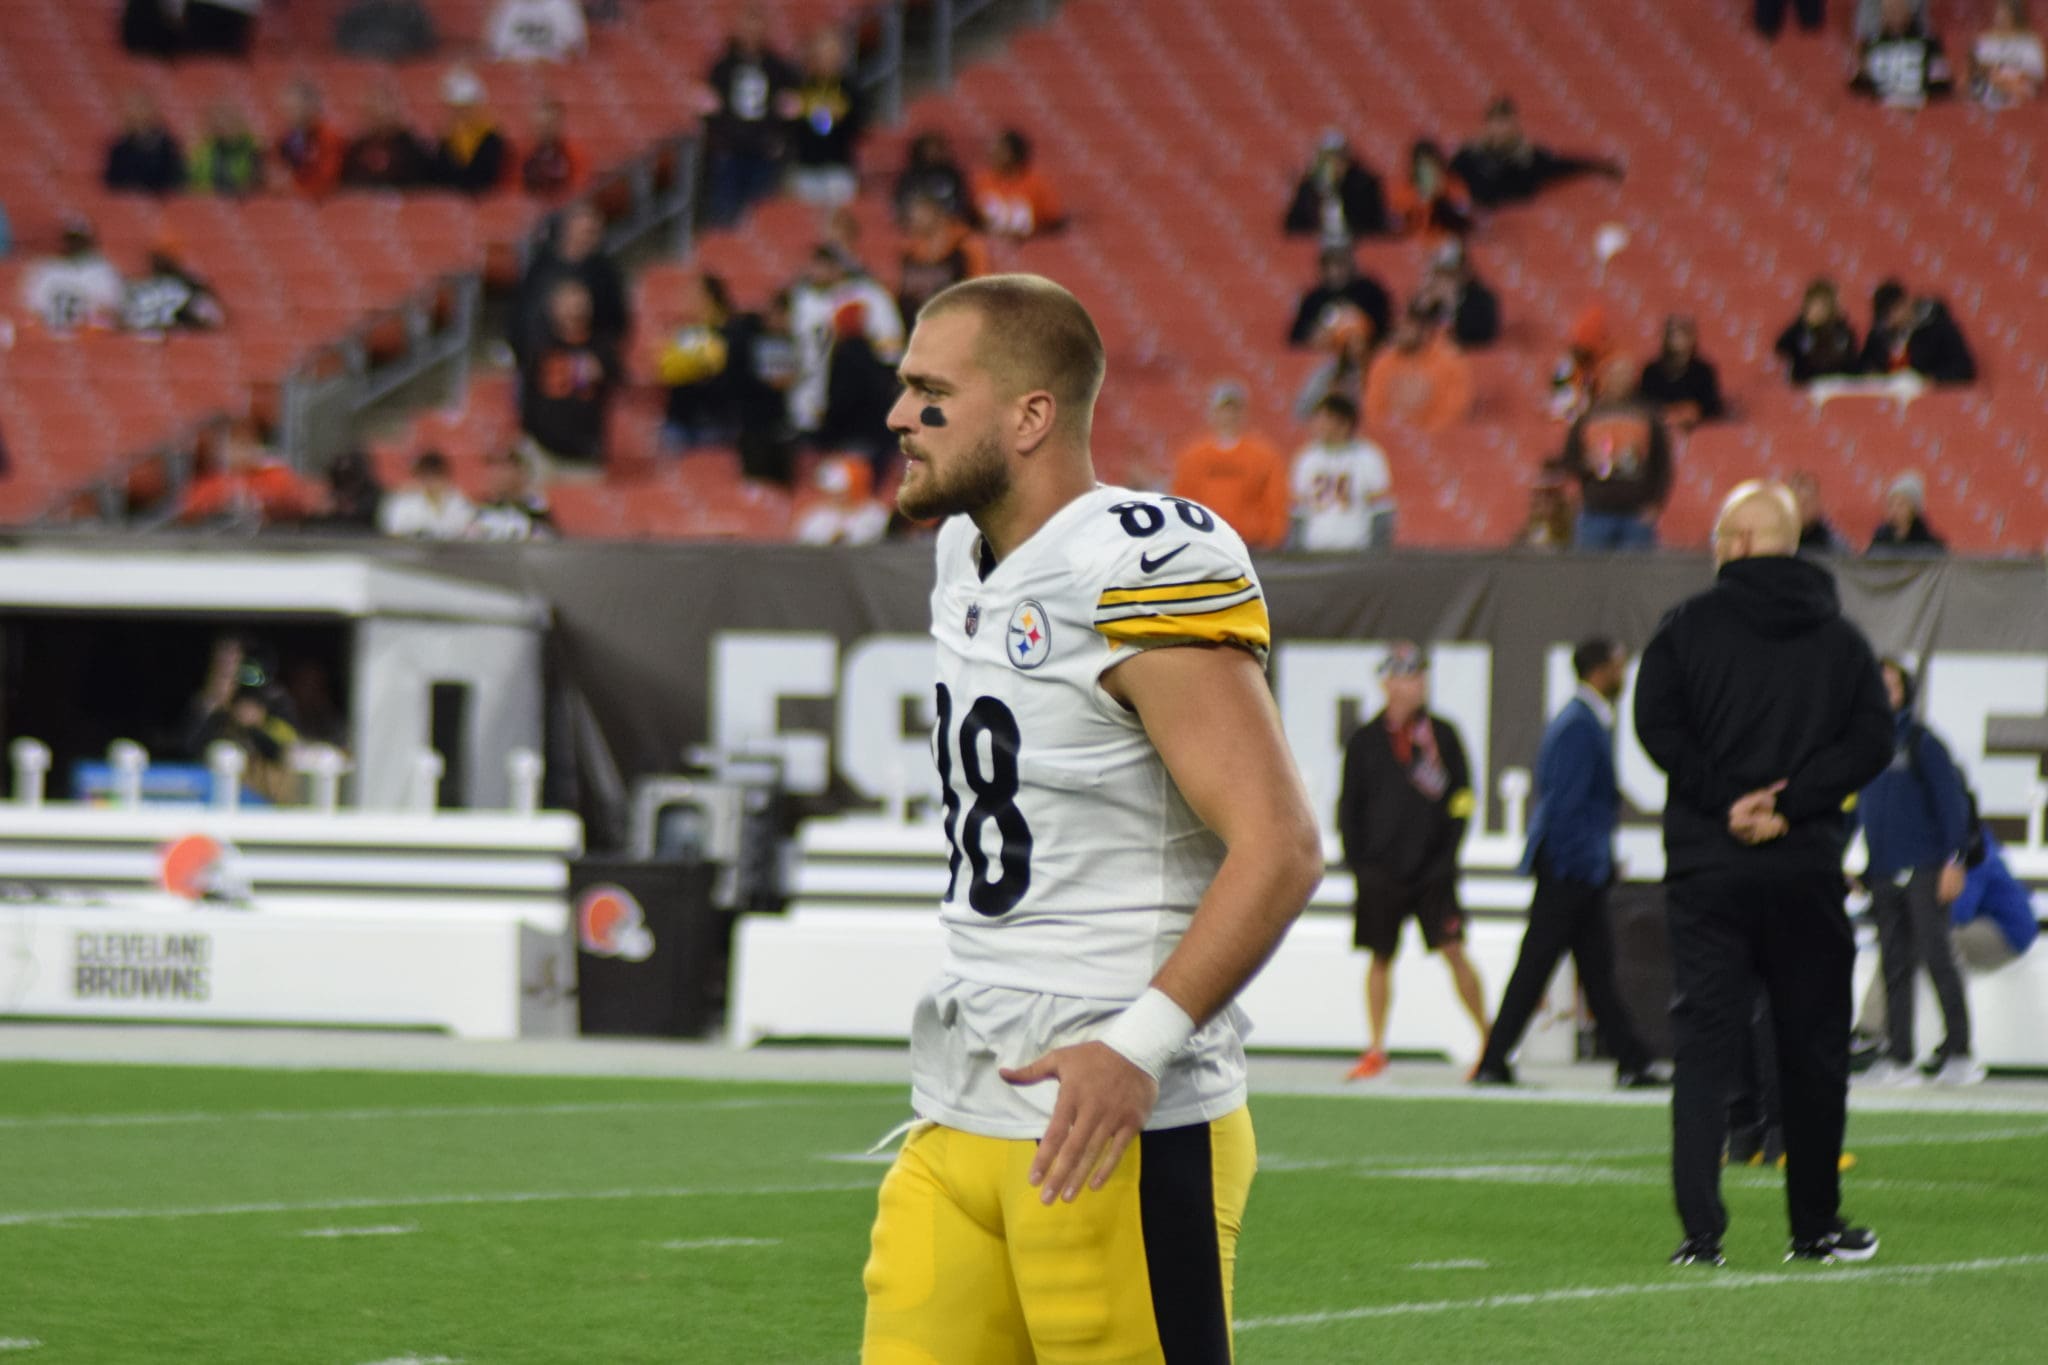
[[1149, 564]]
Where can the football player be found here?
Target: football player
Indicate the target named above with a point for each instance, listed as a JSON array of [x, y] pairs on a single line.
[[1129, 841]]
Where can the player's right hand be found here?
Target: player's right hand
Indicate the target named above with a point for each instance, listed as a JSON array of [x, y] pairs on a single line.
[[1103, 1104]]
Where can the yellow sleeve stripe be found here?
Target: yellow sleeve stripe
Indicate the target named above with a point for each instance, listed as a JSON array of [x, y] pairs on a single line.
[[1172, 592], [1244, 624]]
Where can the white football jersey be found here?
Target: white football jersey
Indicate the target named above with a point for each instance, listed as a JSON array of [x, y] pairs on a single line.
[[1336, 493], [1075, 863]]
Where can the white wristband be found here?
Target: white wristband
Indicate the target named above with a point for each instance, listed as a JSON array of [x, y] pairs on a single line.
[[1149, 1032]]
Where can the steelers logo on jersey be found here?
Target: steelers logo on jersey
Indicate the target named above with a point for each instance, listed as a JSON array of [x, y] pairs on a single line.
[[1030, 642]]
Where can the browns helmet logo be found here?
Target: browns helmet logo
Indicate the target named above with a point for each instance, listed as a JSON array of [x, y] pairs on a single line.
[[199, 867], [610, 923]]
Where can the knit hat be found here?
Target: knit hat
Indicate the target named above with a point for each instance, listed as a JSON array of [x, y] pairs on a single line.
[[1229, 391], [1911, 487], [1405, 659]]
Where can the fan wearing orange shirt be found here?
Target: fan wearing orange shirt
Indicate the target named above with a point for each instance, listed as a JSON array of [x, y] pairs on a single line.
[[1237, 474], [1431, 203], [1013, 198], [1419, 380], [938, 251], [249, 485]]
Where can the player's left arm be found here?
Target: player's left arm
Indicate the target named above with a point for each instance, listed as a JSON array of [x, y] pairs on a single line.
[[1207, 710]]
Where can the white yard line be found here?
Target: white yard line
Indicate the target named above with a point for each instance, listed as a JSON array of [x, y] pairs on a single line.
[[720, 1243], [19, 1343], [382, 1230], [1452, 1265], [404, 1112], [1862, 1099], [420, 1360], [32, 1217], [1689, 1281]]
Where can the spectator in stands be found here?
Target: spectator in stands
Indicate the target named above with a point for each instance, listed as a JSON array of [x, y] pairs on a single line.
[[1685, 388], [1338, 200], [1456, 299], [1917, 334], [554, 166], [1903, 64], [1588, 347], [938, 250], [354, 497], [1341, 485], [1549, 525], [1502, 166], [1904, 531], [385, 155], [230, 161], [6, 234], [386, 30], [1621, 456], [1237, 474], [860, 388], [1340, 292], [309, 150], [1770, 16], [1012, 197], [931, 172], [1432, 202], [567, 381], [1819, 342], [432, 508], [170, 298], [472, 154], [78, 287], [146, 158], [762, 367], [2007, 63], [248, 488], [745, 138], [512, 509], [844, 510], [1347, 338], [151, 28], [692, 364], [1419, 380], [536, 31], [575, 251], [1871, 17], [817, 307], [1817, 535], [224, 27], [827, 116]]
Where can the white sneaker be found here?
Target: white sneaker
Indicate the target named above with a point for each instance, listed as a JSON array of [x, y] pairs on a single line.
[[1960, 1071], [1887, 1072]]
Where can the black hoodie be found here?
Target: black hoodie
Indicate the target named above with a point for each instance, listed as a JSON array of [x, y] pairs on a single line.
[[1761, 679]]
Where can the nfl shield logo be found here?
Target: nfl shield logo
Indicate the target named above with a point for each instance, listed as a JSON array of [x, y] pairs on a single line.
[[973, 618]]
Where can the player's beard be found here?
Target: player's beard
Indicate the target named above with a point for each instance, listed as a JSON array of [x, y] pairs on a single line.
[[972, 481]]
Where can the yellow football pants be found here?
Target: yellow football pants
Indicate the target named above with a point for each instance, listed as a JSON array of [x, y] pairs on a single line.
[[968, 1267]]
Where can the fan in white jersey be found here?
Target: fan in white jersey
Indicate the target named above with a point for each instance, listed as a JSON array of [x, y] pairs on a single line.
[[814, 308], [1342, 491], [1129, 840], [78, 287]]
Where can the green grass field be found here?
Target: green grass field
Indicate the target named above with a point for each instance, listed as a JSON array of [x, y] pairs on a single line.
[[172, 1215]]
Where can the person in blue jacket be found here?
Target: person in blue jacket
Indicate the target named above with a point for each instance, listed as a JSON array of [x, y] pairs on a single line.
[[1571, 851], [1916, 822]]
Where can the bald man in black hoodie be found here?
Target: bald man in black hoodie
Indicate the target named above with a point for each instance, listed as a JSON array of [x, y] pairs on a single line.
[[1764, 706]]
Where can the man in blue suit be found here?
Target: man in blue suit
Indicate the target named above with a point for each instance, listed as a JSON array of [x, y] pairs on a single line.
[[1571, 852]]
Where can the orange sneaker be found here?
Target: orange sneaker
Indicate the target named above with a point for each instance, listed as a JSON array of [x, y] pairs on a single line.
[[1371, 1063]]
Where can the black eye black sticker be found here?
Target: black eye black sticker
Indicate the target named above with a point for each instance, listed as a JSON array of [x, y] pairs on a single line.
[[932, 416]]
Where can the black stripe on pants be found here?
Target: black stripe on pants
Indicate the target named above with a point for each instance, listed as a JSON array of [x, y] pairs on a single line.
[[1788, 930], [1566, 916], [1177, 1208]]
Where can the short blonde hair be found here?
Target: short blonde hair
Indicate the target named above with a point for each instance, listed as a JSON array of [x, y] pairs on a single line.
[[1035, 335]]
